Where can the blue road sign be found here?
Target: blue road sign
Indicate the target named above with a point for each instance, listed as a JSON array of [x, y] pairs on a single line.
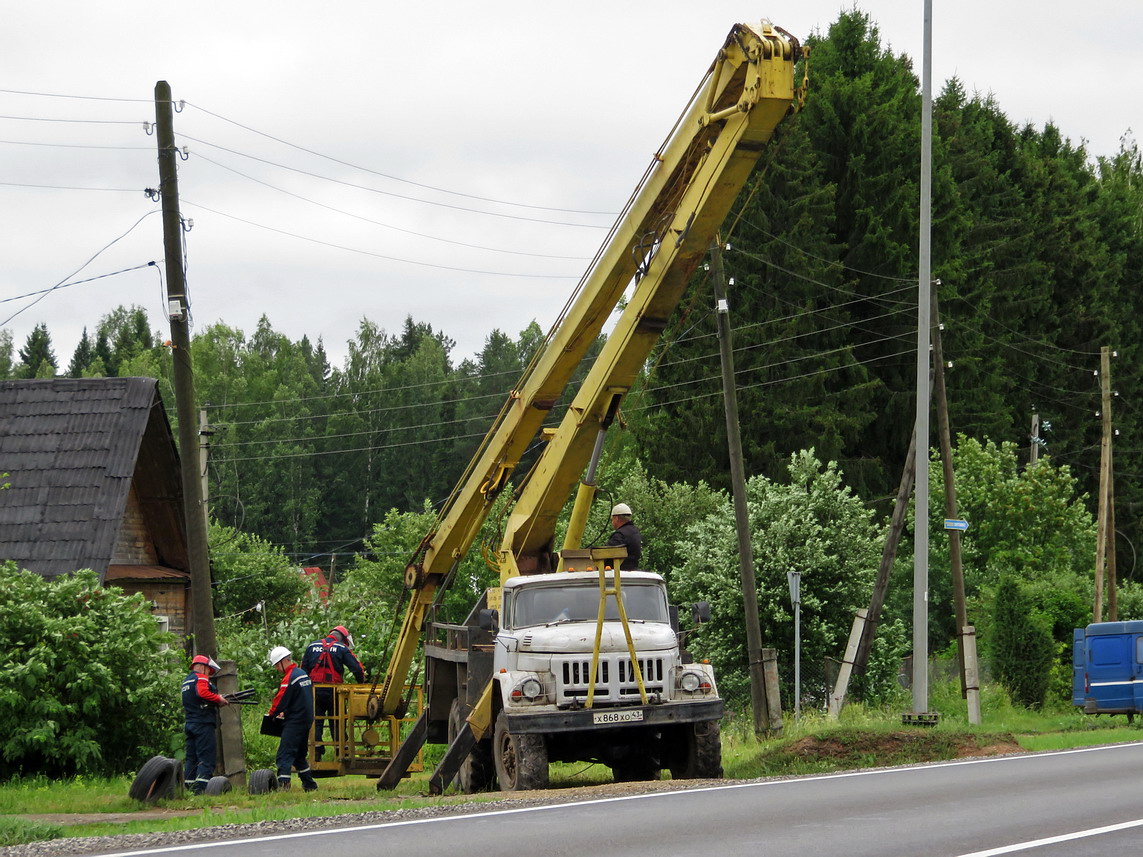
[[956, 524]]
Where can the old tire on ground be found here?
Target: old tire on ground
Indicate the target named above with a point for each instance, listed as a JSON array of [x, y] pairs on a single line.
[[156, 780], [262, 781], [702, 759], [476, 773], [217, 786], [521, 760]]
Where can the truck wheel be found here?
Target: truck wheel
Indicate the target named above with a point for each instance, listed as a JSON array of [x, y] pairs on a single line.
[[521, 760], [262, 781], [155, 780], [702, 756], [476, 773]]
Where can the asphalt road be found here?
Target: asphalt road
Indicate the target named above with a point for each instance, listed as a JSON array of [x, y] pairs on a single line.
[[1075, 803]]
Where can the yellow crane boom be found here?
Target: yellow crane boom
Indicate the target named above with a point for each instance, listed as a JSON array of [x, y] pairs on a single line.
[[656, 244]]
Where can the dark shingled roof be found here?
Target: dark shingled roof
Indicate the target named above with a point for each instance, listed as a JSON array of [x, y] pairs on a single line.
[[70, 448]]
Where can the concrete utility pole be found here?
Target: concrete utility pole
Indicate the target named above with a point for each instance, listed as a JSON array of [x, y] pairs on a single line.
[[202, 610], [763, 720], [1034, 449], [1104, 533], [921, 534]]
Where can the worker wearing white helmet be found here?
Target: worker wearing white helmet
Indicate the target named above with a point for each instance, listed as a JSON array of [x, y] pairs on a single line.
[[294, 705], [624, 533]]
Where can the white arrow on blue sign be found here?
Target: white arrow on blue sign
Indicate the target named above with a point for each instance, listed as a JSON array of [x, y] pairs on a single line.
[[956, 524]]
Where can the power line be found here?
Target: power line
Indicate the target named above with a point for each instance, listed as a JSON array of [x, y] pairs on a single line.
[[74, 121], [61, 283], [76, 97], [386, 225], [391, 193], [72, 187], [388, 176], [377, 255], [76, 146], [78, 282]]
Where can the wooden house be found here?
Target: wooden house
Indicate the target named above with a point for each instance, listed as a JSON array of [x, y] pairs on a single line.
[[94, 482]]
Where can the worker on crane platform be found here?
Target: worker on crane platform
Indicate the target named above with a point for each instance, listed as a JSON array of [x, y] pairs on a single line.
[[624, 533]]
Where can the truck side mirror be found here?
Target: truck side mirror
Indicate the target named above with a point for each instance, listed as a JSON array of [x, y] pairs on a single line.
[[700, 612], [489, 621]]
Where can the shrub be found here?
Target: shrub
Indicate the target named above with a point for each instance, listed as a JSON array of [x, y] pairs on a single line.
[[1022, 646], [84, 685]]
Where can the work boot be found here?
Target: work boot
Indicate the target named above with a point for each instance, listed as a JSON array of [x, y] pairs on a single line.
[[310, 786], [283, 784]]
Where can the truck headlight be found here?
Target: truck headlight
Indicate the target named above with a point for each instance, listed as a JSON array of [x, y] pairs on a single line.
[[690, 681], [530, 690]]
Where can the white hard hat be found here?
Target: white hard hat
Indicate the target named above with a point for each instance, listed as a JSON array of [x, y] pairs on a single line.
[[277, 654], [621, 509]]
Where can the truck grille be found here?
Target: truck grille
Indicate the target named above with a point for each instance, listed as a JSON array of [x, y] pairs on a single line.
[[614, 678]]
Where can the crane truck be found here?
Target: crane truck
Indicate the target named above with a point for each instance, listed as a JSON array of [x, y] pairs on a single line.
[[568, 659]]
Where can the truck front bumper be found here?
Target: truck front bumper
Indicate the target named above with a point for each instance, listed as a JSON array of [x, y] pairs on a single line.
[[581, 719]]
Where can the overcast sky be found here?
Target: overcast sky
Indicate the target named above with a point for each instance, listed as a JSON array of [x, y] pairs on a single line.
[[464, 159]]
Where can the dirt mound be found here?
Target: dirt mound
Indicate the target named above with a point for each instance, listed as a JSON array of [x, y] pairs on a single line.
[[852, 749]]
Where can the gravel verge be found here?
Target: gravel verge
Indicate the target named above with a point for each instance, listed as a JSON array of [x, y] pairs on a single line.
[[227, 832]]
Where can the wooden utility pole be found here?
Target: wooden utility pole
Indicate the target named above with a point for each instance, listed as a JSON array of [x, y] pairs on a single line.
[[204, 433], [968, 689], [763, 719], [888, 554], [1112, 600], [202, 611], [1101, 539]]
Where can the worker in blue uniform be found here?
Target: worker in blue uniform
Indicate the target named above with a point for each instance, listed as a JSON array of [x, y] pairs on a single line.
[[326, 661], [294, 705], [201, 702]]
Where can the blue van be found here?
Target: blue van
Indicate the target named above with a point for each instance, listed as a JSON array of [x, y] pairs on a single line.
[[1107, 668]]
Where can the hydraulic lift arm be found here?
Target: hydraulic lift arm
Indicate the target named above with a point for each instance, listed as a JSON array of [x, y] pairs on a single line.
[[656, 244]]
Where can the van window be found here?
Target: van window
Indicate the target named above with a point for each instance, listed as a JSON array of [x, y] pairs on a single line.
[[1139, 650]]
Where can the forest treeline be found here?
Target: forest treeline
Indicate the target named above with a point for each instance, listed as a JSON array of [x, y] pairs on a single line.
[[1038, 248]]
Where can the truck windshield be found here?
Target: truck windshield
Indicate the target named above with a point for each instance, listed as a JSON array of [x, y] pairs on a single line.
[[543, 605]]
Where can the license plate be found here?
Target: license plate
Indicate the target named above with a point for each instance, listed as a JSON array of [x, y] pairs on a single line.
[[617, 716]]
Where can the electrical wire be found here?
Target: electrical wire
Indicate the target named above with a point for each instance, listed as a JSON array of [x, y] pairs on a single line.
[[69, 187], [388, 176], [78, 282], [384, 256], [64, 281], [385, 225], [391, 193]]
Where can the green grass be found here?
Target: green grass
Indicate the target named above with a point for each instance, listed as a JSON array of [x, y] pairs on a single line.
[[860, 737], [18, 831]]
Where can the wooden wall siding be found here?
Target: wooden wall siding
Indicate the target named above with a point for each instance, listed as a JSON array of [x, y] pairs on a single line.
[[134, 544]]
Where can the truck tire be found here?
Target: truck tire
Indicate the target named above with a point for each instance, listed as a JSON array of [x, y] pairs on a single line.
[[156, 780], [476, 772], [521, 760], [702, 759], [263, 781]]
